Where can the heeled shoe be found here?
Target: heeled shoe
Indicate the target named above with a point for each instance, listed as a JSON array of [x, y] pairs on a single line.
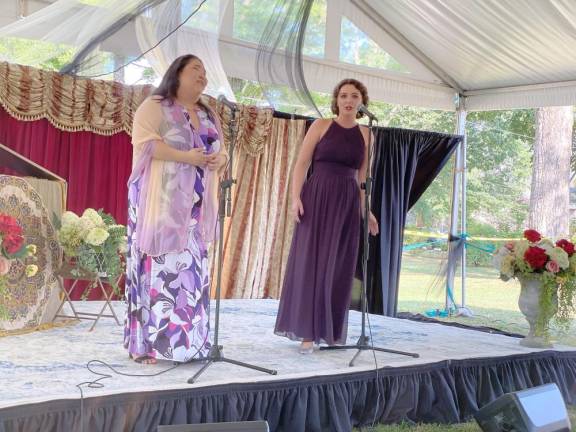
[[307, 350]]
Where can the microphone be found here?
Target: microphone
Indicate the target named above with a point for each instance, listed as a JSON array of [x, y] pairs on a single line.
[[232, 105], [362, 108]]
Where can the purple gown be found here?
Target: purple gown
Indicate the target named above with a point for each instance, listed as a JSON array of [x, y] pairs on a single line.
[[318, 282]]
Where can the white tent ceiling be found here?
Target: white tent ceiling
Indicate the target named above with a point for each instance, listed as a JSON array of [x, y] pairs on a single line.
[[499, 54]]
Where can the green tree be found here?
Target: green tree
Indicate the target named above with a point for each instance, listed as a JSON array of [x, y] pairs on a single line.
[[252, 16], [499, 168], [357, 48], [28, 51]]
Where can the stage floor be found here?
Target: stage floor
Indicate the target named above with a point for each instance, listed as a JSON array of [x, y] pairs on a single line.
[[49, 364]]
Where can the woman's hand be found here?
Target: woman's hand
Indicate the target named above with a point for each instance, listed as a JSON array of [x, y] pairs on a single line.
[[297, 209], [197, 157], [216, 161], [372, 224]]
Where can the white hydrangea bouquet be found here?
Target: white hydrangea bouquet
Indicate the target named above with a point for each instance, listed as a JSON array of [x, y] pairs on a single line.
[[94, 242]]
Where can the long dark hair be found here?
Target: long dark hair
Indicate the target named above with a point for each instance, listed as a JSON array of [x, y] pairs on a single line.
[[168, 88]]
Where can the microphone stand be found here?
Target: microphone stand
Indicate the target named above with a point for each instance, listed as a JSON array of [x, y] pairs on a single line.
[[363, 343], [224, 209]]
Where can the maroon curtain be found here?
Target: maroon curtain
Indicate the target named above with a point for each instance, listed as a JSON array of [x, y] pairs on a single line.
[[96, 167]]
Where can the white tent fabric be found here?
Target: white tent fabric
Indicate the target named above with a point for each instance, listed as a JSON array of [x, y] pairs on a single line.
[[498, 54], [501, 53], [151, 28], [64, 24]]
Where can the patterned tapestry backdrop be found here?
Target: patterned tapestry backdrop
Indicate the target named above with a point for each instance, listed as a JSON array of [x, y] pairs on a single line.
[[85, 139]]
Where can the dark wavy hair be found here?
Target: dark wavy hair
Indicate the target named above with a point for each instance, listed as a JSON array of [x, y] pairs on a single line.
[[168, 88], [359, 86]]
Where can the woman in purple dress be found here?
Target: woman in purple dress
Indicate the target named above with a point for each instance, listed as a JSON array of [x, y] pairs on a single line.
[[172, 218], [328, 208]]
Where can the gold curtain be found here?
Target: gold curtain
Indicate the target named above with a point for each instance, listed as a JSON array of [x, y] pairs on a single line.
[[69, 103], [257, 237], [103, 107], [252, 126], [52, 192]]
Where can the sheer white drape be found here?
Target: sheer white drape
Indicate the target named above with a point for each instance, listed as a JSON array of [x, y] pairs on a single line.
[[98, 37]]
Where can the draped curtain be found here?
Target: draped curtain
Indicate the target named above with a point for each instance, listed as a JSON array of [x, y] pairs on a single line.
[[257, 237], [405, 163], [96, 167]]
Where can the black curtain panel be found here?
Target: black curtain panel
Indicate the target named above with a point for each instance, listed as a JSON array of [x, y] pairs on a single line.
[[405, 162]]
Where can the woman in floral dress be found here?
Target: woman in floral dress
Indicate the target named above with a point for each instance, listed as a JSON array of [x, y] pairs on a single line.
[[172, 202]]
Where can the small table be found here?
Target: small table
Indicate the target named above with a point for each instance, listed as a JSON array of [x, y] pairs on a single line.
[[69, 271]]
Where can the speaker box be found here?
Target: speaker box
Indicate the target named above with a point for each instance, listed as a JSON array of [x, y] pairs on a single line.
[[539, 409]]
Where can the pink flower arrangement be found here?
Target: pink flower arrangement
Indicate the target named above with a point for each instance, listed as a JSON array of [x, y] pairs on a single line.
[[536, 255]]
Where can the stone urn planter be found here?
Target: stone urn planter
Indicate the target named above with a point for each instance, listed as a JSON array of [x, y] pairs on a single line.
[[529, 304]]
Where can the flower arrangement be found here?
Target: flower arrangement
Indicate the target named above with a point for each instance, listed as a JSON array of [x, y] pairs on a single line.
[[12, 248], [553, 264], [94, 242]]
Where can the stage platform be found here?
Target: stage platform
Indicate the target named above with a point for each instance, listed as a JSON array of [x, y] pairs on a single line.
[[458, 371]]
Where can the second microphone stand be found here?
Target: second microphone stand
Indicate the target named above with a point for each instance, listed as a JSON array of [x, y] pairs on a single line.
[[215, 354], [363, 343]]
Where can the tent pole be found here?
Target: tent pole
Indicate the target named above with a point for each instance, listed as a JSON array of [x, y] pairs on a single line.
[[458, 203], [461, 124], [453, 232]]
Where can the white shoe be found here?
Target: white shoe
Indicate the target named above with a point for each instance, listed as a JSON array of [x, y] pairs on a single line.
[[308, 350]]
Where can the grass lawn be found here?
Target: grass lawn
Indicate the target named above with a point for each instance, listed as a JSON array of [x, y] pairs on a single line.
[[493, 302], [462, 427]]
